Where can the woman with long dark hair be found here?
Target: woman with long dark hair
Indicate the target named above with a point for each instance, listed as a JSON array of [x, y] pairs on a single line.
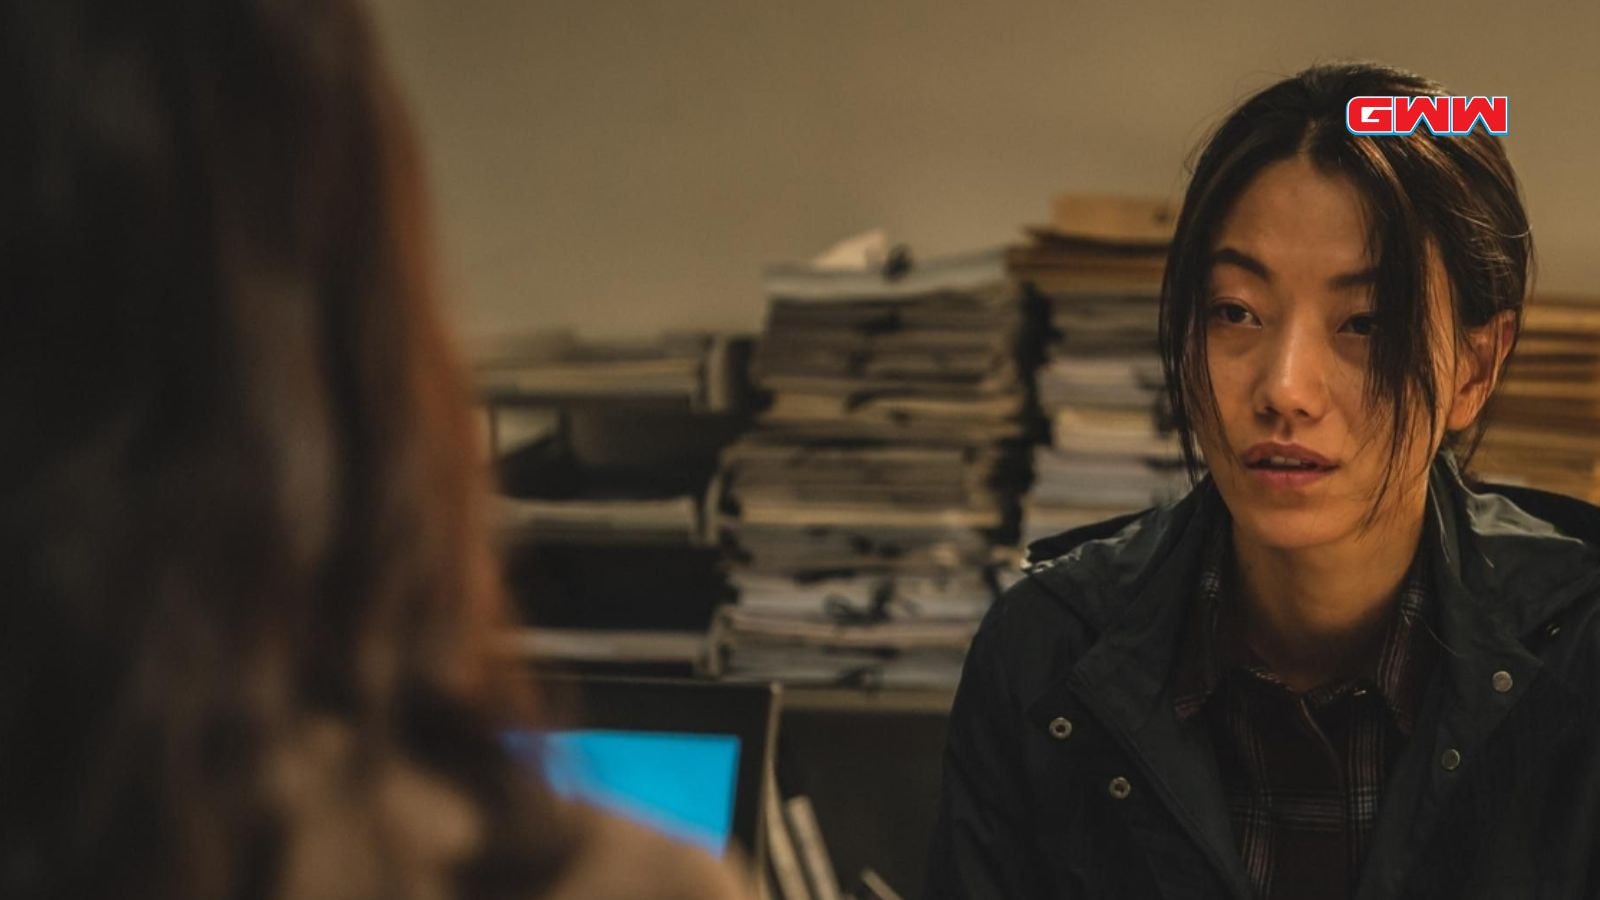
[[248, 591], [1337, 667]]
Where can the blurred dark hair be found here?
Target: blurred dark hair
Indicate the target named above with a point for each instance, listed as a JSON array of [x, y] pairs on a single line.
[[242, 510], [1457, 193]]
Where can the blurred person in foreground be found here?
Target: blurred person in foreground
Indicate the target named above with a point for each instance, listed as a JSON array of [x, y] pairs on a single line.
[[1338, 667], [248, 589]]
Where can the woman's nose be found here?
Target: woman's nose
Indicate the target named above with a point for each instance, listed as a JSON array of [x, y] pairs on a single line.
[[1293, 381]]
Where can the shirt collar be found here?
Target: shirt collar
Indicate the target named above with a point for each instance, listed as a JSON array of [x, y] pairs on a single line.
[[1212, 646]]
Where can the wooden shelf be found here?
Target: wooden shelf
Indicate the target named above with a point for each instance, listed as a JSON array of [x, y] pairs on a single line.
[[600, 646], [912, 701], [687, 648]]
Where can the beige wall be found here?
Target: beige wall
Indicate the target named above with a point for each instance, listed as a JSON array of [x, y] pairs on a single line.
[[624, 167]]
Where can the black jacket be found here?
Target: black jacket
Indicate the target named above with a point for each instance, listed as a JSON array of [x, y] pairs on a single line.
[[1067, 773]]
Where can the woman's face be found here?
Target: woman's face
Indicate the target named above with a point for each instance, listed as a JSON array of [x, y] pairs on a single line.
[[1288, 324]]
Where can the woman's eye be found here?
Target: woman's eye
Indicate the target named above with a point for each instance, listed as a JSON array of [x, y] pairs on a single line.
[[1362, 325], [1231, 313]]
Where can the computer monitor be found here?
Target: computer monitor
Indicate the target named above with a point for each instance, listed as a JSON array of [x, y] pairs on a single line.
[[685, 757]]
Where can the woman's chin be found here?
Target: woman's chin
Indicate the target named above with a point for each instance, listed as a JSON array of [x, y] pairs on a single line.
[[1292, 529]]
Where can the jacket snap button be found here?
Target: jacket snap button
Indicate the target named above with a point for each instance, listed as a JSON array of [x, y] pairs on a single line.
[[1119, 788], [1553, 629], [1450, 759], [1061, 728], [1502, 681]]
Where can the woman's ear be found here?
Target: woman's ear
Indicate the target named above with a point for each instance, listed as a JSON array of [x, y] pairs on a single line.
[[1479, 368]]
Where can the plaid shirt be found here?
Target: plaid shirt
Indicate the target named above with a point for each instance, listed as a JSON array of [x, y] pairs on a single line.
[[1302, 772]]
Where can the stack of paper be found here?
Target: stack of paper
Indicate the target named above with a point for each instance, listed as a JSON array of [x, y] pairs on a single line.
[[1544, 423], [930, 356], [864, 486], [953, 595], [1097, 268], [900, 654], [865, 511]]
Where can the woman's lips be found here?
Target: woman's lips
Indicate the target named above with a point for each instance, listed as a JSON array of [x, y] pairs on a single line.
[[1268, 450], [1288, 479]]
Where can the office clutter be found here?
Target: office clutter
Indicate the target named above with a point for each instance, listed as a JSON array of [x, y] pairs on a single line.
[[836, 502], [867, 511], [1544, 422]]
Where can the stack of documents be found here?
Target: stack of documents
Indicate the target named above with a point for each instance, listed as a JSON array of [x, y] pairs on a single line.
[[866, 511], [872, 655], [1544, 421], [1097, 269], [892, 487], [928, 356]]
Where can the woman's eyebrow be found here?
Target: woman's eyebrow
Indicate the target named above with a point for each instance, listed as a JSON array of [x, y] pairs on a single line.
[[1235, 257], [1363, 278]]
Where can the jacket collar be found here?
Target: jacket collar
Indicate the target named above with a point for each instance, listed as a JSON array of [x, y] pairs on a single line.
[[1130, 589], [1499, 572]]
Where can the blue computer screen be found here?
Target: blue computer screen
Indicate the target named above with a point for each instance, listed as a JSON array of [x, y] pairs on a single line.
[[682, 784]]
